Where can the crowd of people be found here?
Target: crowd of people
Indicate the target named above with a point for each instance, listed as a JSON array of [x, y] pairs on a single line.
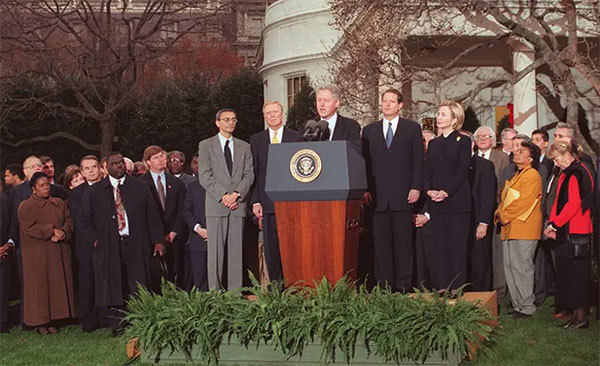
[[444, 210]]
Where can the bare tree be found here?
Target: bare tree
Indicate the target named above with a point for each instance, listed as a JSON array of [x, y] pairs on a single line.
[[383, 37], [95, 50]]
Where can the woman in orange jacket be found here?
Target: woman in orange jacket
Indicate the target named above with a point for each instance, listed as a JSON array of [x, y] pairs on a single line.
[[520, 215]]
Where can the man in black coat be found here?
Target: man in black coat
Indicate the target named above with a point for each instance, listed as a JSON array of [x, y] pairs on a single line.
[[484, 185], [175, 164], [262, 206], [340, 127], [169, 194], [91, 316], [393, 150], [121, 216], [6, 251], [196, 246]]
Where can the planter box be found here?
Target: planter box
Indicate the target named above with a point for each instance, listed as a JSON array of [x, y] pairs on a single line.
[[236, 354]]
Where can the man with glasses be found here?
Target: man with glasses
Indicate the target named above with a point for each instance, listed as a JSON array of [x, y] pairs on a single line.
[[226, 172], [485, 138], [175, 164]]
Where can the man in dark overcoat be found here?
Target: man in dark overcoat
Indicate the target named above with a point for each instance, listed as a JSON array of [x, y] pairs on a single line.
[[120, 214]]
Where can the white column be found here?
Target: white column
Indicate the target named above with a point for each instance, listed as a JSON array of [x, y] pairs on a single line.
[[524, 91]]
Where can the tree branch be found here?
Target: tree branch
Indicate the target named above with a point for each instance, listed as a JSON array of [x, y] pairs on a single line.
[[53, 136]]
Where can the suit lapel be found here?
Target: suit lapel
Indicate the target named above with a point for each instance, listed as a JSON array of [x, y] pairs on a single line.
[[287, 137], [148, 178], [218, 151], [397, 134], [170, 193], [379, 133], [237, 156], [337, 131]]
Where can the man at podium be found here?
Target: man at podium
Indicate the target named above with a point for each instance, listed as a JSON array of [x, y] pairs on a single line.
[[340, 127], [393, 151]]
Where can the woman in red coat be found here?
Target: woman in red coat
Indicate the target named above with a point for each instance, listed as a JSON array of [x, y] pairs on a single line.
[[571, 219]]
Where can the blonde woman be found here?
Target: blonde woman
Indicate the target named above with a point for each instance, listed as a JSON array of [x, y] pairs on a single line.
[[448, 204]]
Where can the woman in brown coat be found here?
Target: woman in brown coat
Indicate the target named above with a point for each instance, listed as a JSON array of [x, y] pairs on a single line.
[[46, 228]]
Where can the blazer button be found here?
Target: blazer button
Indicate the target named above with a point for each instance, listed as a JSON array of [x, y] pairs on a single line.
[[114, 217]]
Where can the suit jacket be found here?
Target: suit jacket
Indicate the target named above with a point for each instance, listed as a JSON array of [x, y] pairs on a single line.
[[447, 168], [99, 223], [483, 187], [214, 176], [529, 185], [194, 213], [186, 178], [172, 215], [83, 243], [500, 161], [392, 173], [259, 144], [345, 129], [4, 219]]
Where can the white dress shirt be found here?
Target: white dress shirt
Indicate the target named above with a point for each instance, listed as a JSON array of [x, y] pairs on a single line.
[[386, 125], [485, 155], [163, 179], [114, 182], [279, 134], [222, 140], [331, 122]]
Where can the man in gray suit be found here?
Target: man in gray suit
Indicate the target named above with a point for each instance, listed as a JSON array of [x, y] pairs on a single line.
[[226, 172]]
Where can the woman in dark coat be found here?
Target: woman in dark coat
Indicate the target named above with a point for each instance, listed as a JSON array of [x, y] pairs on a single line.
[[571, 219], [449, 199], [46, 228]]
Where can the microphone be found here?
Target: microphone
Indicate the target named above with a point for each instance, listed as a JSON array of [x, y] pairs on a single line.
[[323, 130], [309, 131]]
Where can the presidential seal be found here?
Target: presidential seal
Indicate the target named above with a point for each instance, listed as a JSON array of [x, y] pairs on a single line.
[[305, 165]]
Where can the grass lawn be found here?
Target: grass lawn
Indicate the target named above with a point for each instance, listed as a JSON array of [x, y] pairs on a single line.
[[535, 341]]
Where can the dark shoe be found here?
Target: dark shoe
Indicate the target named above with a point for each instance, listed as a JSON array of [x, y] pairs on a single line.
[[583, 324], [520, 315]]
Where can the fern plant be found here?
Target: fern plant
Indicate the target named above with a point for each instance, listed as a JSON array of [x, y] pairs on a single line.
[[395, 327]]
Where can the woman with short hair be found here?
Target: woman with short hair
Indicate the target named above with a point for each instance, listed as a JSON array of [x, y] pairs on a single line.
[[46, 229], [570, 224], [520, 214]]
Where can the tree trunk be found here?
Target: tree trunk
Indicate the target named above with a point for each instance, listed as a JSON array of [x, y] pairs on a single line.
[[107, 128]]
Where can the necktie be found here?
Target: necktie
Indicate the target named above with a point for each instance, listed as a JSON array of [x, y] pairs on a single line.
[[389, 136], [275, 139], [161, 191], [228, 159], [120, 209]]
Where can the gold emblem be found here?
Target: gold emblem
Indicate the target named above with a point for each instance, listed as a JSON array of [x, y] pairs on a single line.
[[305, 165]]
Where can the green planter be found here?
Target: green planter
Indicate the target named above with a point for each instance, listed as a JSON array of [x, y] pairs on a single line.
[[236, 354]]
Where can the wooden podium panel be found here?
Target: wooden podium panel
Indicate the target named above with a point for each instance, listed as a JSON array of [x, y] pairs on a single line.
[[318, 239]]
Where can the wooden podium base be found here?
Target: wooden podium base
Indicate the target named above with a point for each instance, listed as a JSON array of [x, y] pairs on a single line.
[[318, 239]]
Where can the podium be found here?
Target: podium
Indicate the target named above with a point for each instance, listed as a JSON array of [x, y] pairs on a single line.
[[316, 188]]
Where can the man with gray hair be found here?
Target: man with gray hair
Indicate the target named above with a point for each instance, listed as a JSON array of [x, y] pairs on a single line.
[[485, 138], [340, 127], [566, 132], [506, 137]]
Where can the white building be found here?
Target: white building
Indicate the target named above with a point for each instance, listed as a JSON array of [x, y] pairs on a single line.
[[297, 41]]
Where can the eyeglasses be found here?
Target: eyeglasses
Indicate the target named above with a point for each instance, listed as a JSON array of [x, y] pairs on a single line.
[[483, 137], [173, 160], [228, 119]]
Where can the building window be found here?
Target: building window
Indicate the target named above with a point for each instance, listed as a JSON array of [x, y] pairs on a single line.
[[294, 84]]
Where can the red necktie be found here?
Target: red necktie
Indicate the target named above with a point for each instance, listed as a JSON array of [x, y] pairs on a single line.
[[120, 209]]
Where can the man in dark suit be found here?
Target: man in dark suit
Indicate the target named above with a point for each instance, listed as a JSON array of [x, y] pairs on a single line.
[[540, 138], [121, 217], [485, 138], [483, 190], [91, 316], [340, 127], [393, 150], [262, 206], [196, 246], [175, 164], [226, 172], [169, 194]]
